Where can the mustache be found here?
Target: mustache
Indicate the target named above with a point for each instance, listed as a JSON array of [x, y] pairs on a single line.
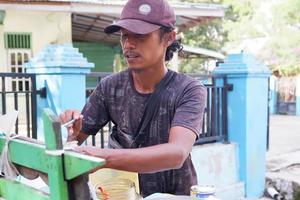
[[130, 53]]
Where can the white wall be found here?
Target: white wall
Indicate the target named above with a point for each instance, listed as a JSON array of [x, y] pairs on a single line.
[[46, 28], [2, 52]]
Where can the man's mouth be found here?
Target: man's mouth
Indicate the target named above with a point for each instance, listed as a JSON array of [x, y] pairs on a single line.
[[131, 55]]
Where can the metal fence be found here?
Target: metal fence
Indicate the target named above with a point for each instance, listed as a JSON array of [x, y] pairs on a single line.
[[18, 91], [215, 125]]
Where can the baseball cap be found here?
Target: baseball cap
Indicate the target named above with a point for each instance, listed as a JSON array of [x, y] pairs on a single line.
[[144, 16]]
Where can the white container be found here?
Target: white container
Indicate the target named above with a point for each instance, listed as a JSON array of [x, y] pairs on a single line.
[[205, 192]]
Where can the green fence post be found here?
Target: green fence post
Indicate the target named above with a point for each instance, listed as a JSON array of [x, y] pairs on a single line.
[[54, 149]]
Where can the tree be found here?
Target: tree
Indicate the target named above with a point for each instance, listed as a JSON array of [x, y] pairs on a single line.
[[283, 49], [209, 36], [277, 21], [233, 28]]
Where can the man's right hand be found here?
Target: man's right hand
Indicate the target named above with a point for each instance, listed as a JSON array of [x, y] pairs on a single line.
[[74, 128]]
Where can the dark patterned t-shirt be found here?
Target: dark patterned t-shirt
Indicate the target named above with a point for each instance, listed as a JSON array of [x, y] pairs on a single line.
[[182, 104]]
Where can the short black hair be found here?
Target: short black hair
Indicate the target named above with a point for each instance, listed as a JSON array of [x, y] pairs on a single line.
[[174, 47]]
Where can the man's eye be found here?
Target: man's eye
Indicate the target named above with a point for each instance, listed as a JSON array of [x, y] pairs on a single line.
[[136, 37], [140, 36], [123, 37]]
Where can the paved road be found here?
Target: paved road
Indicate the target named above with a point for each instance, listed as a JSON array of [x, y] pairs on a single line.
[[284, 151], [284, 134]]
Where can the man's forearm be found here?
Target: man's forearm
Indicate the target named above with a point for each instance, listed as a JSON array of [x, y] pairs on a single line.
[[144, 160], [160, 157]]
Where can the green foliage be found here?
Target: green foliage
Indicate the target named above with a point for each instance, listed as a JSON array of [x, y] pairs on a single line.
[[242, 21], [192, 65], [276, 20], [288, 70], [119, 63], [283, 48], [291, 14], [209, 35], [236, 26]]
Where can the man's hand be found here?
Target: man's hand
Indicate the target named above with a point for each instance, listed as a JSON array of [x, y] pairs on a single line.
[[91, 151], [74, 128]]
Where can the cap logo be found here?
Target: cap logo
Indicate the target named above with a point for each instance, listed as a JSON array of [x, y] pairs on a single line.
[[144, 9]]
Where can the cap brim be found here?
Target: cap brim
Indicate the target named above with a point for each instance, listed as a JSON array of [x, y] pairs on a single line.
[[133, 25]]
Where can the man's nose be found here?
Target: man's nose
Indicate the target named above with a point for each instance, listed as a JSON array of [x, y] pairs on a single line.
[[129, 43]]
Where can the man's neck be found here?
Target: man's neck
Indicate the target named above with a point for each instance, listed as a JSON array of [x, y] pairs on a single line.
[[146, 80]]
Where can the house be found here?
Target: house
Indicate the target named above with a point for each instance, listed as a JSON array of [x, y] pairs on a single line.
[[27, 26]]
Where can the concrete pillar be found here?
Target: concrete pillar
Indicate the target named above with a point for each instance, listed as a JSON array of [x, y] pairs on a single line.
[[273, 95], [247, 117], [62, 70], [298, 95]]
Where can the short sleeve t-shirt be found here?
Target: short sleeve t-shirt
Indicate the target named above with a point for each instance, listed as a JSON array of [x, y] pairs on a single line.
[[182, 104]]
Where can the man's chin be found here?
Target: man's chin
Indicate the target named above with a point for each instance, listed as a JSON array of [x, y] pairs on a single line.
[[136, 69]]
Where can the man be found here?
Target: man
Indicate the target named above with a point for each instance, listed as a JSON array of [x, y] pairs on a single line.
[[163, 158]]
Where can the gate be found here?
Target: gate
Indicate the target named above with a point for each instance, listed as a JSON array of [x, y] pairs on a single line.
[[286, 99], [18, 91]]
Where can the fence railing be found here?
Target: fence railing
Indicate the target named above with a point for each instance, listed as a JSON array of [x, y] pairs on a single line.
[[18, 91], [215, 125], [215, 122], [214, 128]]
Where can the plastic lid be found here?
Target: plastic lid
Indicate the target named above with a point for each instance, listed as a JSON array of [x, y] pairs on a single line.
[[203, 189]]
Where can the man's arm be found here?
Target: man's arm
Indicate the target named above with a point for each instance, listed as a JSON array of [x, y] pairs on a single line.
[[149, 159], [81, 137]]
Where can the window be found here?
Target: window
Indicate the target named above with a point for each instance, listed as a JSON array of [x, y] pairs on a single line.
[[17, 40], [18, 46]]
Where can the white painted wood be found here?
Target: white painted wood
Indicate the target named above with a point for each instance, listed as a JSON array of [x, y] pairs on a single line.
[[204, 10], [16, 59]]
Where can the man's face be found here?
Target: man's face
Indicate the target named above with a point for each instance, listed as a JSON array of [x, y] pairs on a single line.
[[143, 51]]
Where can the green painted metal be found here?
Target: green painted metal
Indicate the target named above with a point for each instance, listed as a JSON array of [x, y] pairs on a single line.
[[52, 130], [27, 154], [67, 170], [2, 16], [73, 160], [21, 191], [17, 40], [58, 186], [101, 54]]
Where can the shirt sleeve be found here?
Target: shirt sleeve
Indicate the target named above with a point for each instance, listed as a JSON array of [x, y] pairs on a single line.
[[95, 112], [190, 109]]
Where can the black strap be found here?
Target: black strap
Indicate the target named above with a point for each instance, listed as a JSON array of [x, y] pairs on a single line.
[[150, 107]]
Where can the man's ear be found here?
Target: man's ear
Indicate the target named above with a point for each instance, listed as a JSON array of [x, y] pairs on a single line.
[[170, 38]]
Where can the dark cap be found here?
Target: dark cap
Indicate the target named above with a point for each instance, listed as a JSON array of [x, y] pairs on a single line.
[[144, 16]]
